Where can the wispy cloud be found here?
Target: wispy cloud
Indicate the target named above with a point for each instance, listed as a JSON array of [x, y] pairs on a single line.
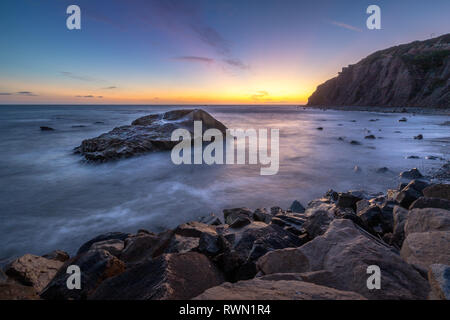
[[89, 96], [345, 26], [76, 76], [109, 88], [26, 93], [194, 59], [261, 95], [19, 93], [184, 19], [237, 64]]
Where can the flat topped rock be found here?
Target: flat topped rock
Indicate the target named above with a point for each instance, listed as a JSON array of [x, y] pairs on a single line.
[[146, 134]]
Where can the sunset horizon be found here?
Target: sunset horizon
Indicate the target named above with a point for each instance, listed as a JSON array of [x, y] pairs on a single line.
[[193, 52]]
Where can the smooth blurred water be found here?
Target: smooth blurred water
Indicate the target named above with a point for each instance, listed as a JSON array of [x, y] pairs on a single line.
[[50, 199]]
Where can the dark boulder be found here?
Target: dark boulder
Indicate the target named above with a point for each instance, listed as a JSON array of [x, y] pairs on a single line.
[[95, 266], [296, 206], [107, 236], [407, 196], [232, 214], [146, 134], [411, 174], [441, 191], [424, 202], [43, 128], [169, 277]]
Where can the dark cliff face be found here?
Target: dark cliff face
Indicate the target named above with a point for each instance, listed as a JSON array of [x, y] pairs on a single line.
[[411, 75]]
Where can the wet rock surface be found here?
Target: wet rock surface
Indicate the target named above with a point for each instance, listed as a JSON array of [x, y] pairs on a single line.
[[146, 134]]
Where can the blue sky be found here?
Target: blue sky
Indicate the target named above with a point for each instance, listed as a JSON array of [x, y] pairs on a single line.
[[167, 51]]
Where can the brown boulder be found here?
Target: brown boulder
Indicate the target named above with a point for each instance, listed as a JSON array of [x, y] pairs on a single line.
[[346, 251], [169, 277], [95, 267], [194, 229], [441, 191], [427, 219], [33, 270], [257, 289], [425, 202], [11, 290], [426, 248]]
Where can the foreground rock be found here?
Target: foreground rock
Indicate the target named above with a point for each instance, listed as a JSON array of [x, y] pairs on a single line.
[[146, 134], [169, 277], [346, 251], [35, 271], [11, 290], [427, 239], [257, 289], [95, 266]]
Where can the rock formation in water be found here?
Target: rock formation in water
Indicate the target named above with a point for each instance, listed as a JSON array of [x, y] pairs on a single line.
[[146, 134], [410, 75]]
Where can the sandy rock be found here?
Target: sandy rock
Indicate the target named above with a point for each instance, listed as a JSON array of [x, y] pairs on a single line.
[[169, 277], [33, 270], [257, 289]]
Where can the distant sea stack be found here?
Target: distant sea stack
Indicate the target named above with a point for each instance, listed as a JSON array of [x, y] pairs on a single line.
[[410, 75]]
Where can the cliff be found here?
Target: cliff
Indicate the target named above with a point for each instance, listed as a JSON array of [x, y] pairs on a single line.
[[410, 75]]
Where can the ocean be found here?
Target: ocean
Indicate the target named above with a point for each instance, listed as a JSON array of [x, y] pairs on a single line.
[[51, 199]]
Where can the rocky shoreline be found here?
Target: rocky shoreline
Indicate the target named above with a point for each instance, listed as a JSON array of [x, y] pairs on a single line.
[[386, 109], [318, 251]]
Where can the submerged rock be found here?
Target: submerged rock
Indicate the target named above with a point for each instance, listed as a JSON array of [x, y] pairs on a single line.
[[43, 128], [146, 134]]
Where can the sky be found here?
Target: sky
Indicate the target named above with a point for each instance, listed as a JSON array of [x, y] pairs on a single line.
[[196, 51]]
